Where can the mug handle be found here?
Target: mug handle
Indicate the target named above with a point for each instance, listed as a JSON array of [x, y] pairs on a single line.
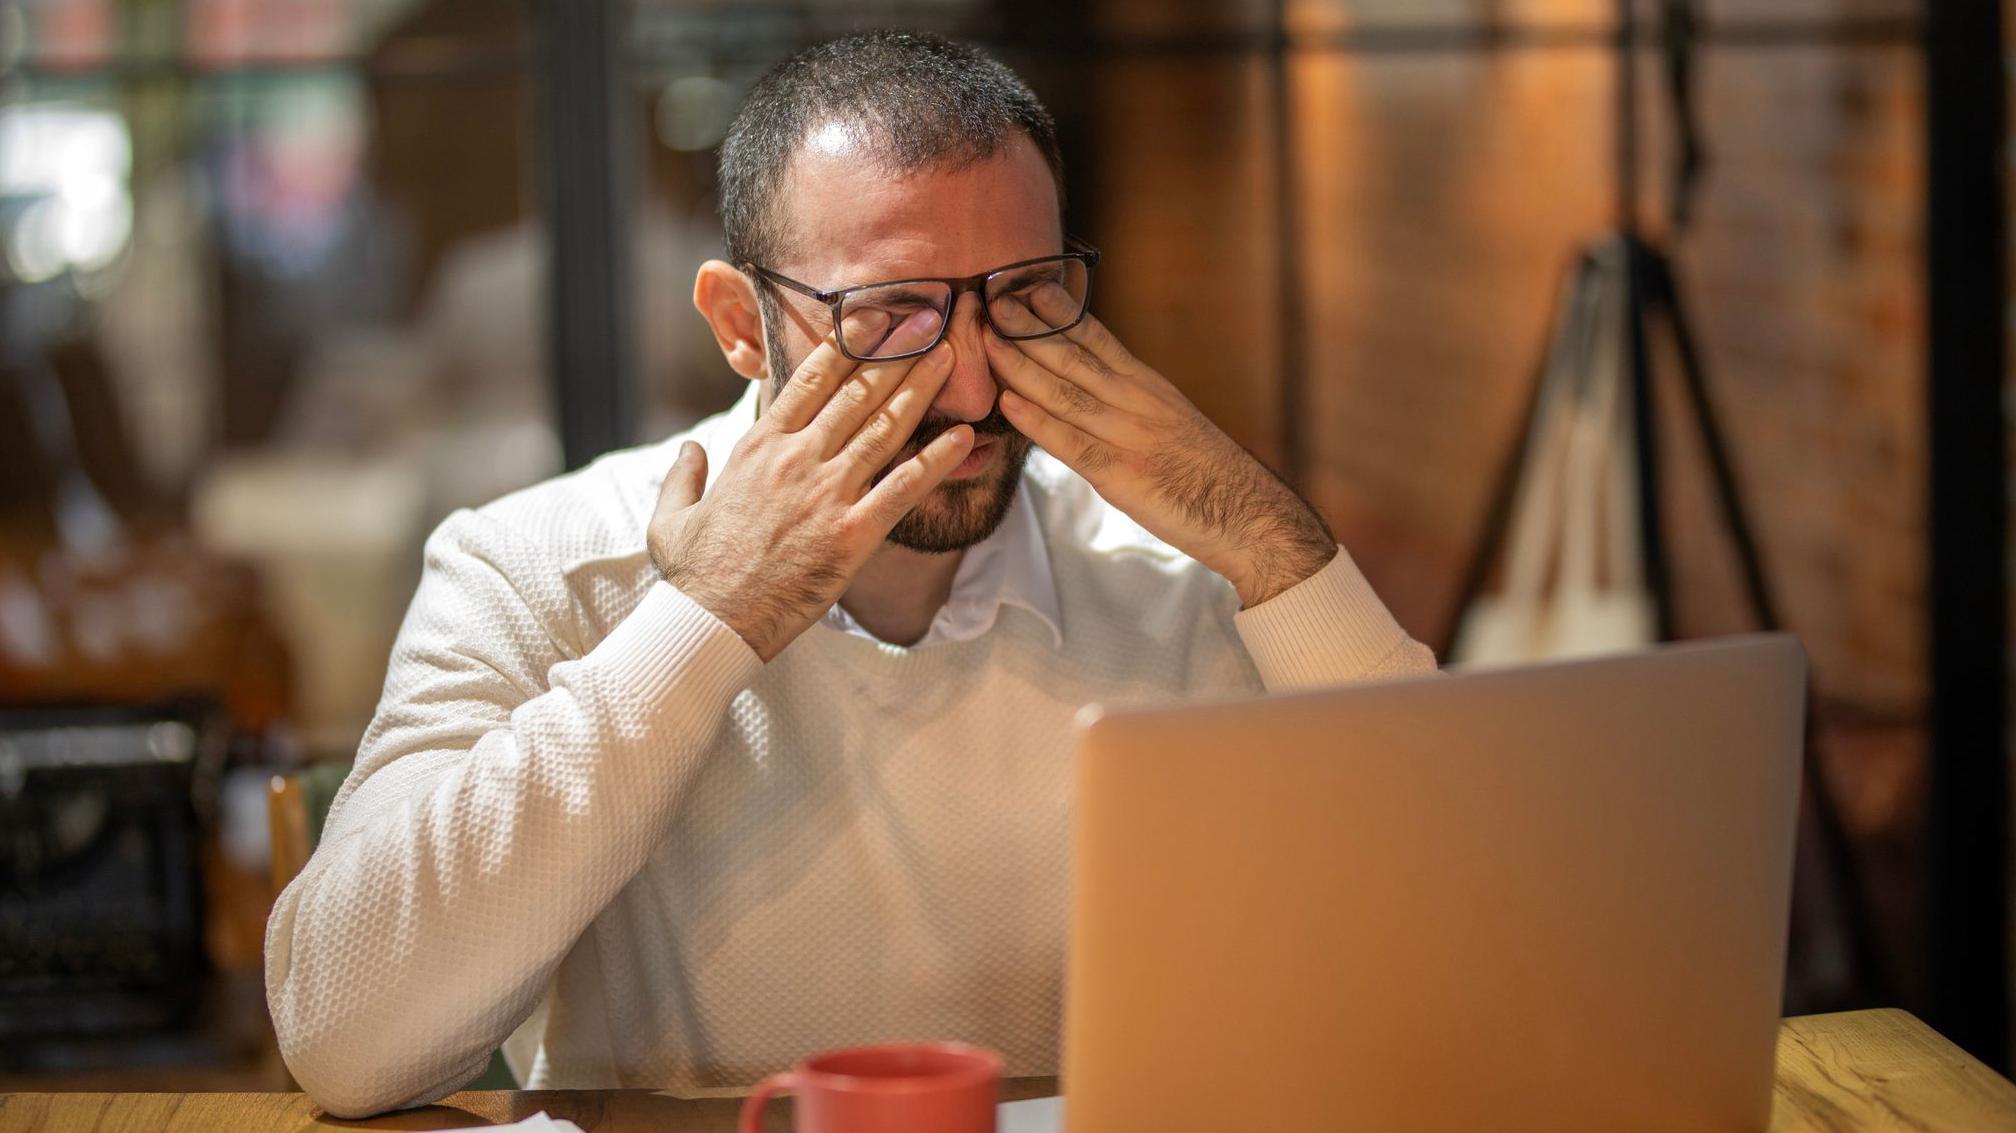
[[752, 1106]]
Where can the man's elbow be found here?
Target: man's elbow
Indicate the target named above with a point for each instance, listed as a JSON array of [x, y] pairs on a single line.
[[350, 1064], [341, 1095], [339, 1072], [363, 1082]]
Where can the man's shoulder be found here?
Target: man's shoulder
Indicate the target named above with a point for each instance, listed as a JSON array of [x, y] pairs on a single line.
[[592, 509], [545, 527], [597, 512]]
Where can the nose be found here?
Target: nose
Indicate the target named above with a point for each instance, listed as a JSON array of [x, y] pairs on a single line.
[[969, 394]]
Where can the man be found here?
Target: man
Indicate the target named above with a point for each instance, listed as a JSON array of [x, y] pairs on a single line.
[[681, 774]]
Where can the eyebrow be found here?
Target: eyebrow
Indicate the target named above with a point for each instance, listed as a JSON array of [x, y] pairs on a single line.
[[889, 293], [1037, 272], [1051, 267]]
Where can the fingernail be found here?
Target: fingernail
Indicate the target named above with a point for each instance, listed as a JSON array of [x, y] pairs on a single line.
[[916, 328]]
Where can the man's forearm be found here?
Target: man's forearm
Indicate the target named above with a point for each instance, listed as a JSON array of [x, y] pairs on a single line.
[[453, 881]]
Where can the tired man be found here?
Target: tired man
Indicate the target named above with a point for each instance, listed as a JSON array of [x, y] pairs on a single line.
[[756, 741]]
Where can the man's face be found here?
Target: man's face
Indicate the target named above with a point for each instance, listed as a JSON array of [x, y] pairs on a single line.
[[852, 223]]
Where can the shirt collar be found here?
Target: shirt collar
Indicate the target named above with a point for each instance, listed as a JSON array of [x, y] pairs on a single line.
[[1011, 567], [1015, 563]]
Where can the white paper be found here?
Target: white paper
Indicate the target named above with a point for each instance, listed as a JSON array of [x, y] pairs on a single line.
[[537, 1123], [1037, 1115]]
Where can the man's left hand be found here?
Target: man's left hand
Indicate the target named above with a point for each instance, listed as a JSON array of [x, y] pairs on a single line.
[[1152, 454]]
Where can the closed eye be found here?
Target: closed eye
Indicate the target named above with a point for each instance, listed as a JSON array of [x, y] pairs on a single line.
[[1023, 279], [895, 301]]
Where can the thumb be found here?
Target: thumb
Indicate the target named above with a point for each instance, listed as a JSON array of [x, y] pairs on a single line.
[[687, 479]]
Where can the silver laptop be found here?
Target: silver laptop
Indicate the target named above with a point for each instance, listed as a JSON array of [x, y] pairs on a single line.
[[1549, 898]]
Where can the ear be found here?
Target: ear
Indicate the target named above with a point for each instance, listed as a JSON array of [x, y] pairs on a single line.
[[727, 300]]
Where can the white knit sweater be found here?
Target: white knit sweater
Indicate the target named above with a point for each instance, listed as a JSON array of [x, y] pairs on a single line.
[[588, 819]]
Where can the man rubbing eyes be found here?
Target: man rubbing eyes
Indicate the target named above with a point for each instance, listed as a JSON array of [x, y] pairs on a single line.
[[756, 741]]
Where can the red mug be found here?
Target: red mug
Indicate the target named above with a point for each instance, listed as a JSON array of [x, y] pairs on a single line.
[[897, 1088]]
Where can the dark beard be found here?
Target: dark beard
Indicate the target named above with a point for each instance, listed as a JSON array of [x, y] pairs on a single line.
[[958, 513]]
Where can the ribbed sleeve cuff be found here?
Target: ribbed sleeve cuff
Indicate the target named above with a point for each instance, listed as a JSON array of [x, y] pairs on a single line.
[[671, 641], [1327, 629]]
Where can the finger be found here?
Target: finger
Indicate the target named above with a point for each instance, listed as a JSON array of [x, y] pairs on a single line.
[[915, 331], [1054, 306], [1058, 394], [1011, 314], [1038, 308], [892, 424], [1086, 454], [1049, 304], [873, 384], [1068, 359], [687, 479], [822, 372], [909, 482]]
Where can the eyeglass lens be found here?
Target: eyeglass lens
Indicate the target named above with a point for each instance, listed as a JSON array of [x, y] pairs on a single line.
[[895, 319]]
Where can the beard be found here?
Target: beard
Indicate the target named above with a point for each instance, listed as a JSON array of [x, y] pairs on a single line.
[[958, 513]]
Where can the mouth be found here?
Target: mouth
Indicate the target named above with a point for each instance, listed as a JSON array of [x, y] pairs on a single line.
[[985, 448]]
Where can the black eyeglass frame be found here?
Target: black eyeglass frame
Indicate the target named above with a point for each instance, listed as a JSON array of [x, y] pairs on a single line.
[[1078, 250]]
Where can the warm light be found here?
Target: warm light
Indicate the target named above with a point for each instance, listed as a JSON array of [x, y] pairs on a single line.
[[71, 165]]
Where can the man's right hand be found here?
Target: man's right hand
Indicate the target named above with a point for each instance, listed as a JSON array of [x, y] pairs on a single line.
[[797, 510]]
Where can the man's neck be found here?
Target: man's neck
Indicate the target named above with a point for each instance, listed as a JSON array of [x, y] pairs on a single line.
[[900, 591]]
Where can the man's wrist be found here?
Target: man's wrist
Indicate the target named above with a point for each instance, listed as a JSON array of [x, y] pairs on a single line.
[[1271, 567], [755, 622]]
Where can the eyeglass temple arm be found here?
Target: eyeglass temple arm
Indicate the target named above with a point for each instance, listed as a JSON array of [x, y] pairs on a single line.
[[1078, 245], [804, 289]]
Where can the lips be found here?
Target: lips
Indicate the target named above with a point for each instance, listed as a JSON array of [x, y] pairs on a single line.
[[983, 452]]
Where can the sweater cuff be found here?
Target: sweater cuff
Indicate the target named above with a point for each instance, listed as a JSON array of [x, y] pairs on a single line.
[[1326, 629], [668, 640]]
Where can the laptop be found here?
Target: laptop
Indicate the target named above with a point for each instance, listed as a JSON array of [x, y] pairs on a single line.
[[1546, 898]]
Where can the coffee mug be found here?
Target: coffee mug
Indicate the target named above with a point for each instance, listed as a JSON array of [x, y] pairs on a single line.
[[896, 1088]]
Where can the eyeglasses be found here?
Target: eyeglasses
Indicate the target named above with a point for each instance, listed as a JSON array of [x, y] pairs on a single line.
[[877, 322]]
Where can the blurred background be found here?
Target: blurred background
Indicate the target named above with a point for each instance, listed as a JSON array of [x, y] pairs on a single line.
[[283, 282]]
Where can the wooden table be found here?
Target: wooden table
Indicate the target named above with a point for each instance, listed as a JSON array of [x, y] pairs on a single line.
[[1862, 1070]]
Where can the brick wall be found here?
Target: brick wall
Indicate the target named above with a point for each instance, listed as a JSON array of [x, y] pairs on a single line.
[[1438, 199]]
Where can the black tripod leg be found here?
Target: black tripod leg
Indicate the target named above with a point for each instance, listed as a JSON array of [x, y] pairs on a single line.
[[1664, 298], [1645, 431], [1728, 495]]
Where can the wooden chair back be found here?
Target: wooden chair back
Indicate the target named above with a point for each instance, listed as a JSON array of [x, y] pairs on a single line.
[[287, 819]]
